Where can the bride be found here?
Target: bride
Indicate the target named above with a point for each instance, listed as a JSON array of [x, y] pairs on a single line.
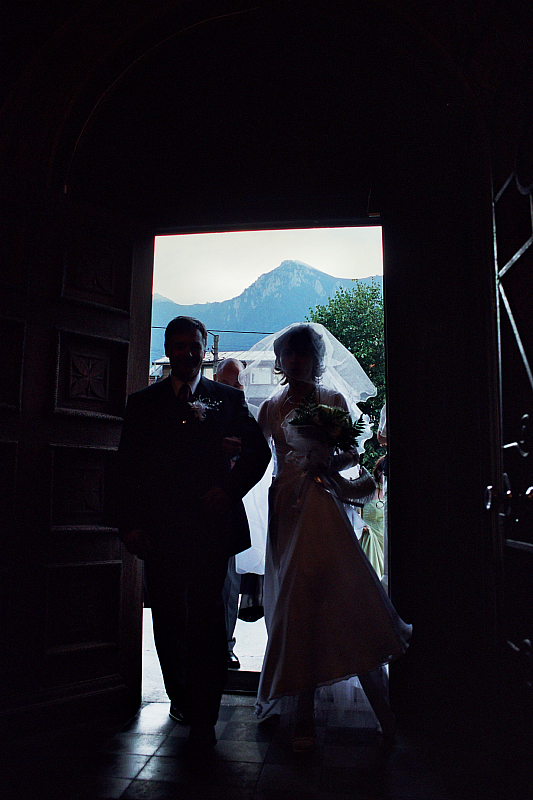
[[327, 616]]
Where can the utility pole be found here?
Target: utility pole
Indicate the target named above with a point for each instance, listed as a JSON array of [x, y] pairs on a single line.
[[215, 353]]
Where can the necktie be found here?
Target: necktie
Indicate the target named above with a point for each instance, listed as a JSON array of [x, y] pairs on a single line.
[[184, 393]]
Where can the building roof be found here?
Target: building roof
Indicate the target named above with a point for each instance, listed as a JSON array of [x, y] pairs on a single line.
[[208, 358]]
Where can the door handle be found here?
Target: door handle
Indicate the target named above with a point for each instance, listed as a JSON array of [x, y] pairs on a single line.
[[523, 445], [507, 501], [502, 499]]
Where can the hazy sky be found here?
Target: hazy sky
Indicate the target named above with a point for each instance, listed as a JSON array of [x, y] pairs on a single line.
[[208, 267]]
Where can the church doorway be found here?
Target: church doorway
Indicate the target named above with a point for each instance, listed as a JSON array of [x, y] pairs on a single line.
[[248, 284], [253, 117]]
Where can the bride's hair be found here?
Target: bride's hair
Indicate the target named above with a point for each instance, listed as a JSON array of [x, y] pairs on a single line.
[[302, 339]]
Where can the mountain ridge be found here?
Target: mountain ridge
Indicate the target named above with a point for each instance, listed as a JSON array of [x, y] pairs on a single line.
[[275, 299]]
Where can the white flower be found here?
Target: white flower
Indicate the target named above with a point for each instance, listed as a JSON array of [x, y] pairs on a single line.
[[202, 406], [199, 409]]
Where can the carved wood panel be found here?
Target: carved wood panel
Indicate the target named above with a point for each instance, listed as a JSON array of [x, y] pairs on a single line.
[[83, 624], [91, 375], [81, 490], [97, 269], [83, 604]]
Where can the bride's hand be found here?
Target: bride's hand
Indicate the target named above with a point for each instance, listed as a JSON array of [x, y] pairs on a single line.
[[345, 460]]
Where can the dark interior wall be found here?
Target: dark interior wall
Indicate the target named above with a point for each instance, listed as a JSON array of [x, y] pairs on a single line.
[[441, 398], [288, 114], [253, 117], [276, 117]]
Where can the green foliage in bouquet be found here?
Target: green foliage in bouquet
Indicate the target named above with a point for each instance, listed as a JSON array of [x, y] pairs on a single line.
[[335, 423]]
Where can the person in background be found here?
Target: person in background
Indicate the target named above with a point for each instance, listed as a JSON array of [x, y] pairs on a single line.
[[382, 439], [229, 373], [372, 534]]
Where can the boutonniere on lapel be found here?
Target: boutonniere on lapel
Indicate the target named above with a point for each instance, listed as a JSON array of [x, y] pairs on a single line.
[[202, 405]]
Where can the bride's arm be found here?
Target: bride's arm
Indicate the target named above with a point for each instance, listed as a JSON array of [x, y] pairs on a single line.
[[263, 419]]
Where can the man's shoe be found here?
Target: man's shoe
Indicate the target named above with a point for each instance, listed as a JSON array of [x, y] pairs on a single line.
[[202, 737], [233, 661], [176, 714]]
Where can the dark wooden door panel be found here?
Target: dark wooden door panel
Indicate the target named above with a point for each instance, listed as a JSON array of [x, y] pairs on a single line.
[[75, 340]]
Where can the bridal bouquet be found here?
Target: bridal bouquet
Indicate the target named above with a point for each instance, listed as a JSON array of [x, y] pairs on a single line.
[[315, 432], [330, 423]]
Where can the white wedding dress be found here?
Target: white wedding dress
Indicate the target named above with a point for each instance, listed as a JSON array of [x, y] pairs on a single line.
[[327, 615]]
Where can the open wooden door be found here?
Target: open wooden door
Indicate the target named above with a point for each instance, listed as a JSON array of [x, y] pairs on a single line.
[[513, 225], [75, 327]]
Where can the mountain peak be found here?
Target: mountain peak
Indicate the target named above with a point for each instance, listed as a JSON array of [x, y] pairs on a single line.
[[292, 265]]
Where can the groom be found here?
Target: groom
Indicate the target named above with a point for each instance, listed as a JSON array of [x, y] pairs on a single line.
[[181, 511]]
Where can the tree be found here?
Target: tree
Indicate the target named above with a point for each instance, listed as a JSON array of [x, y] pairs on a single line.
[[355, 317]]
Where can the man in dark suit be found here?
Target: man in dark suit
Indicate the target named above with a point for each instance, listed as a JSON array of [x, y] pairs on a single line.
[[181, 511]]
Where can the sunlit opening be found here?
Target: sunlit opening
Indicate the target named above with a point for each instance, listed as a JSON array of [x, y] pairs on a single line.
[[244, 285]]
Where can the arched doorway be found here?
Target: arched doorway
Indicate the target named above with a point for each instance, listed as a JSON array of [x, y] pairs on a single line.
[[278, 115]]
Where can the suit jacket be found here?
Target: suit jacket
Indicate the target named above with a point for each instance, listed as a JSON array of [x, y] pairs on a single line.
[[169, 457]]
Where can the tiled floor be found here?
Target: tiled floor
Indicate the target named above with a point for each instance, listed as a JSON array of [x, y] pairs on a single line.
[[147, 758]]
